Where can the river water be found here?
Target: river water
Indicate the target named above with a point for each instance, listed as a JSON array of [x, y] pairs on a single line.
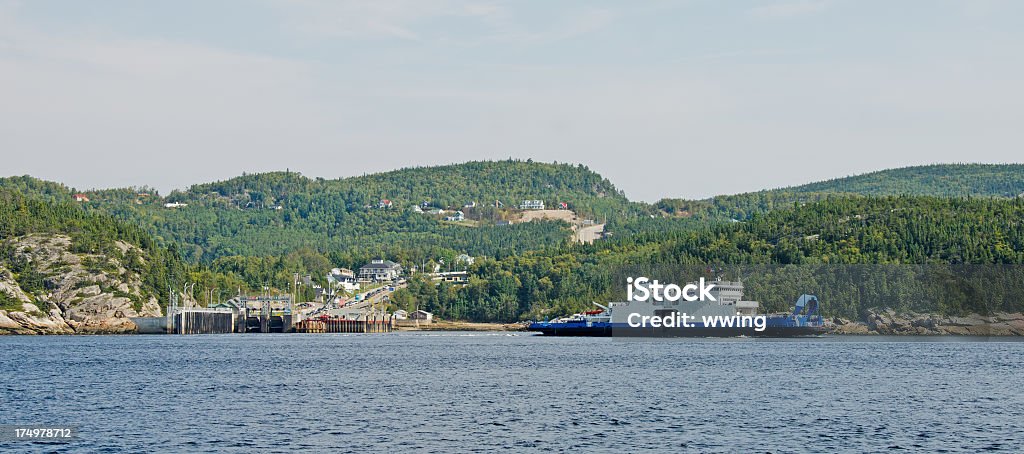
[[483, 392]]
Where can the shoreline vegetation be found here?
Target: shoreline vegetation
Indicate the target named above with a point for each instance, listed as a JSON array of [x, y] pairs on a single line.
[[89, 261]]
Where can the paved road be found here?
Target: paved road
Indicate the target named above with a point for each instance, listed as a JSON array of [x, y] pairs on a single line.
[[375, 298]]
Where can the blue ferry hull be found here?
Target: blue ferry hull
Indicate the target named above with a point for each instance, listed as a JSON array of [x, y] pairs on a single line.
[[623, 330]]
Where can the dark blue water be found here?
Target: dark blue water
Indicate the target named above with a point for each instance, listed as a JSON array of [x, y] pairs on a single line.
[[486, 392]]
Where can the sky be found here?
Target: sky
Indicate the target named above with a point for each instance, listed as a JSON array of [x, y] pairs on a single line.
[[664, 98]]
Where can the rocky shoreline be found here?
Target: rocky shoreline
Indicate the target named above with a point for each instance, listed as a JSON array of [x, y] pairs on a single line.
[[33, 321], [889, 322], [82, 293]]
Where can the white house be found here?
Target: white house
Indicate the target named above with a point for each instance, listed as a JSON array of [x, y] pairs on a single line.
[[175, 205], [532, 205], [380, 270], [343, 278], [458, 216]]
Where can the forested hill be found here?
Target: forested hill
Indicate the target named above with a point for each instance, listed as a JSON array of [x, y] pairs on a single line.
[[260, 229], [838, 231], [451, 186], [939, 180], [272, 214]]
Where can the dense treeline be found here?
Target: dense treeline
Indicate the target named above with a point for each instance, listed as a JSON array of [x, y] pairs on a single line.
[[205, 234], [483, 182], [275, 213], [940, 180], [260, 231], [842, 230], [26, 185]]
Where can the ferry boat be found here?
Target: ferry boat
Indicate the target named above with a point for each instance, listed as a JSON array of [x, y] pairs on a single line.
[[728, 315]]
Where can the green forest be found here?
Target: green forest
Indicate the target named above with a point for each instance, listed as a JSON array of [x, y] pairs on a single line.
[[257, 231], [939, 180], [827, 235], [275, 213]]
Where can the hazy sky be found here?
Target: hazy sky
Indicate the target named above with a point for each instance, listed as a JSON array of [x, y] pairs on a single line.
[[665, 98]]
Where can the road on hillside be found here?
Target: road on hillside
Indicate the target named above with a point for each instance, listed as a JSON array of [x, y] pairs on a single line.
[[589, 233], [381, 293]]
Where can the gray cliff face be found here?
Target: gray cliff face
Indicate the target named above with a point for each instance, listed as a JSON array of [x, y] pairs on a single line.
[[80, 293], [888, 322]]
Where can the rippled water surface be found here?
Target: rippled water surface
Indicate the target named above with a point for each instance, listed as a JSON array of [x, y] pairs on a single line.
[[454, 392]]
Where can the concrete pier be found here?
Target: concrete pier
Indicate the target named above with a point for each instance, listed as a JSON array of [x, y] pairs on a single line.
[[188, 321], [151, 325]]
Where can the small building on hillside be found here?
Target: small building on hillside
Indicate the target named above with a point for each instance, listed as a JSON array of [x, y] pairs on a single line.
[[458, 277], [380, 270], [464, 258], [384, 203], [343, 278], [422, 315], [81, 198], [532, 205], [342, 275], [458, 216], [175, 205]]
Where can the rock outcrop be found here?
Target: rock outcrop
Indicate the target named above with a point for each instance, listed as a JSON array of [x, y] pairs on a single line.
[[888, 322], [82, 293]]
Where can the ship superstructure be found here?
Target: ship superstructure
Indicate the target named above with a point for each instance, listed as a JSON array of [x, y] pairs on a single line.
[[725, 314]]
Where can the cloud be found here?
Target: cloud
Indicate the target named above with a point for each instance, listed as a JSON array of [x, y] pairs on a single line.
[[112, 110], [413, 19], [379, 19], [576, 24], [791, 9]]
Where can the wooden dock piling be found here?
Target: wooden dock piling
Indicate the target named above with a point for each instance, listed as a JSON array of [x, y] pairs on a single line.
[[340, 325]]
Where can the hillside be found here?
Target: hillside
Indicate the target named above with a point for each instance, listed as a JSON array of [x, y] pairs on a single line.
[[279, 212], [939, 180], [902, 232], [63, 270], [275, 213], [450, 186], [259, 230]]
